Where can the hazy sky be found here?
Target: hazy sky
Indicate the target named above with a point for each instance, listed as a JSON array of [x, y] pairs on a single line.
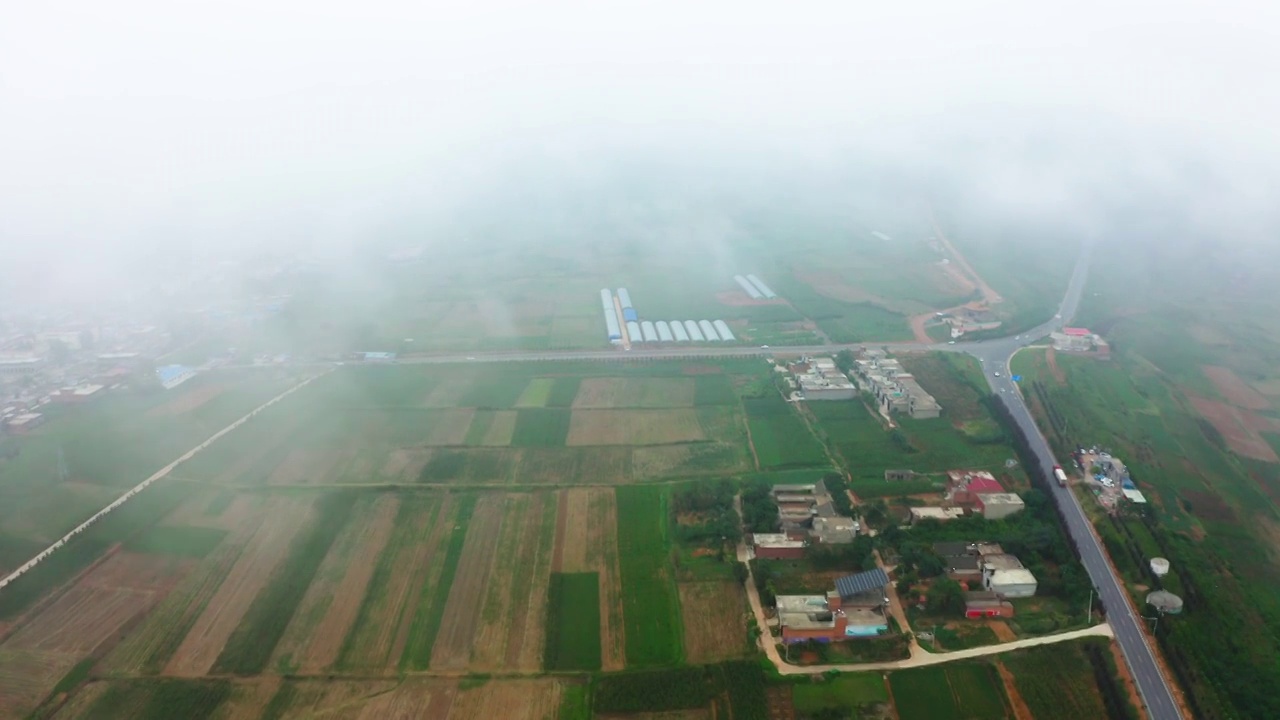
[[131, 123]]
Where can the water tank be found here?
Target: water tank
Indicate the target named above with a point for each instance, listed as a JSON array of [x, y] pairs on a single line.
[[1160, 566], [1165, 602]]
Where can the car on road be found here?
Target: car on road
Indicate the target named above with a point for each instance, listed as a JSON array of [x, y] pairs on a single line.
[[997, 373], [471, 358], [952, 342], [764, 347]]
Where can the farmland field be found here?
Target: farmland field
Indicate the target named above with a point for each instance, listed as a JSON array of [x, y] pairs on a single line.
[[779, 435], [715, 621], [573, 622], [1056, 682], [587, 542], [923, 694], [849, 690], [649, 600], [634, 427]]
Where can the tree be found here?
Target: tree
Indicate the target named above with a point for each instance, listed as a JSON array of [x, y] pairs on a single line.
[[945, 597]]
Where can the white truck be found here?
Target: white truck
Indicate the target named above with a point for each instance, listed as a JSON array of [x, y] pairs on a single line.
[[1060, 475]]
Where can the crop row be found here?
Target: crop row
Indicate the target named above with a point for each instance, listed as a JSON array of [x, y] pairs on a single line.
[[650, 607]]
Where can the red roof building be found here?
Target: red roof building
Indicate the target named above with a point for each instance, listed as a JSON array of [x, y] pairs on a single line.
[[964, 486], [1076, 332]]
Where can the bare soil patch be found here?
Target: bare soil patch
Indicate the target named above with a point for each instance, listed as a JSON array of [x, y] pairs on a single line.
[[501, 429], [1021, 711], [452, 649], [633, 427], [1002, 630], [602, 556], [427, 698], [1208, 506], [715, 620], [509, 699], [249, 575], [187, 401], [606, 393], [575, 543], [1236, 391], [1051, 357], [1238, 436], [778, 702], [336, 699], [449, 427], [405, 464]]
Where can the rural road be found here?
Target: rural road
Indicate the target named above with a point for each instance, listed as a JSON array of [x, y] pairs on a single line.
[[919, 656], [994, 356]]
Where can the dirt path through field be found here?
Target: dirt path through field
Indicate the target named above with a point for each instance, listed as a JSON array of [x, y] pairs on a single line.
[[1051, 357], [989, 296], [452, 649], [1021, 711]]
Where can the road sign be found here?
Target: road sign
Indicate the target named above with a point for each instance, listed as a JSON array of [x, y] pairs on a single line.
[[1016, 378]]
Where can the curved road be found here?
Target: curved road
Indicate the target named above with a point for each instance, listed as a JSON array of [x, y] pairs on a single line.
[[994, 355]]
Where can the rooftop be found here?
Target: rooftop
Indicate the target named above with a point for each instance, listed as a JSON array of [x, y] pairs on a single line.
[[776, 540], [24, 418], [1002, 561], [937, 513], [1000, 498], [1076, 332], [1018, 576], [851, 585]]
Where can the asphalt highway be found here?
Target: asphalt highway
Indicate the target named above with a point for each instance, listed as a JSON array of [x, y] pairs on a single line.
[[994, 355]]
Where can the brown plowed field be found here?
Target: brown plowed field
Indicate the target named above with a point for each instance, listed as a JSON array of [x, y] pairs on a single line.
[[452, 650], [633, 427], [249, 575], [413, 699], [1020, 709], [715, 621], [602, 556], [77, 624], [329, 608], [1236, 391], [510, 633], [449, 427], [187, 402], [609, 393], [501, 429], [573, 551], [1239, 437], [405, 464], [509, 700]]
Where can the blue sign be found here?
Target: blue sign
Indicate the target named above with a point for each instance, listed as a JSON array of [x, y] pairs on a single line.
[[1016, 378]]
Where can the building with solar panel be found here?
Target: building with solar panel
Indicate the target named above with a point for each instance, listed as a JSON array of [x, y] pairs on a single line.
[[866, 589]]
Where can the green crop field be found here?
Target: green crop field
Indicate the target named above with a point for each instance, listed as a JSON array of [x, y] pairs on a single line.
[[923, 694], [653, 690], [536, 393], [195, 542], [848, 690], [160, 699], [978, 690], [650, 605], [541, 427], [780, 437], [1056, 682], [573, 622]]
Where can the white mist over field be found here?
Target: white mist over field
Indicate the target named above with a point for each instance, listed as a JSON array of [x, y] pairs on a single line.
[[141, 129]]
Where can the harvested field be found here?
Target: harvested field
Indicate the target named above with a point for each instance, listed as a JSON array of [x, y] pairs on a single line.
[[405, 464], [27, 676], [596, 465], [657, 461], [327, 611], [1235, 431], [633, 427], [187, 402], [509, 699], [1236, 391], [448, 427], [452, 648], [196, 654], [297, 699], [510, 631], [715, 621], [571, 553], [381, 629], [607, 393]]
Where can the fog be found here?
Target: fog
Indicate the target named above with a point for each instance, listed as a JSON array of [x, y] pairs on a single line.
[[140, 132]]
